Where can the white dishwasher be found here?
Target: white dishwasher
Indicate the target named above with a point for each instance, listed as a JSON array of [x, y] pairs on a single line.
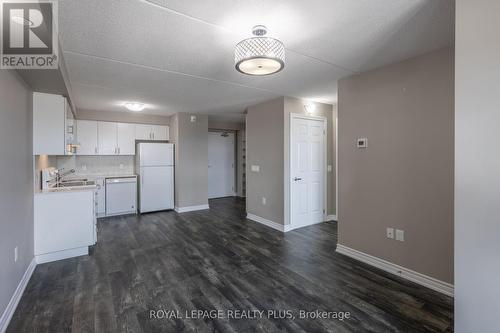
[[121, 195]]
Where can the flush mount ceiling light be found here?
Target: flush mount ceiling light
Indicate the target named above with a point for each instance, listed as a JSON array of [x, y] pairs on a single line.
[[259, 55], [134, 106]]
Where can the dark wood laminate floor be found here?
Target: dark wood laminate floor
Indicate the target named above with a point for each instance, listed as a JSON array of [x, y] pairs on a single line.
[[219, 260]]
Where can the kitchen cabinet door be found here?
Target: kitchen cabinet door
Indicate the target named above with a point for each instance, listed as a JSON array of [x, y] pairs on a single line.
[[86, 137], [126, 139], [106, 137], [49, 124], [143, 132], [159, 132]]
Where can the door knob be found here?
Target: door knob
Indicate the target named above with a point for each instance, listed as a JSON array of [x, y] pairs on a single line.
[[297, 179]]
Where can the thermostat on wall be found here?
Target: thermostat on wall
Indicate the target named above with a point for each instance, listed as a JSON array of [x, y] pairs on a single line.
[[362, 142]]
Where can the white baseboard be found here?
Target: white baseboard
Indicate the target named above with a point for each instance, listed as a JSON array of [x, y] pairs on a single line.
[[277, 226], [16, 297], [266, 222], [191, 208], [406, 273], [331, 218], [60, 255]]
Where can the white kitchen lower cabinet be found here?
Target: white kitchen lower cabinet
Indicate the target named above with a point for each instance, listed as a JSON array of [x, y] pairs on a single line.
[[101, 196], [65, 224]]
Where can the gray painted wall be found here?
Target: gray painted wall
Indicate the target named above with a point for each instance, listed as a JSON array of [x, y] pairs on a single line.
[[16, 182], [215, 124], [191, 159], [404, 179], [123, 117], [267, 146], [265, 142], [477, 163]]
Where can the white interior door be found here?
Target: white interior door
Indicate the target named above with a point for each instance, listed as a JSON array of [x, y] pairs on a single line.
[[220, 164], [307, 171]]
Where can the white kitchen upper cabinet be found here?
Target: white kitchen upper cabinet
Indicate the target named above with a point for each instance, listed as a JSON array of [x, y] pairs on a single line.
[[151, 132], [86, 137], [107, 138], [126, 139], [143, 132], [160, 132], [49, 124]]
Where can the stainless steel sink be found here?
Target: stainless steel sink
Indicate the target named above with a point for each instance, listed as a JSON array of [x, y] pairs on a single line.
[[75, 183]]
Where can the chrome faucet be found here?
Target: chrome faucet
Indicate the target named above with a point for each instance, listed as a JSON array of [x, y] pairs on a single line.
[[59, 175]]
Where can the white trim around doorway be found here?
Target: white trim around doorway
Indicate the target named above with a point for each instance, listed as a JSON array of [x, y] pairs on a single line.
[[288, 166]]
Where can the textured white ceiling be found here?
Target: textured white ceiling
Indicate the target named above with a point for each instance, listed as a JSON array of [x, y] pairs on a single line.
[[177, 55]]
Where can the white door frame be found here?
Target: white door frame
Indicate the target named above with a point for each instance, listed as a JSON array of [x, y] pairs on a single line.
[[288, 167]]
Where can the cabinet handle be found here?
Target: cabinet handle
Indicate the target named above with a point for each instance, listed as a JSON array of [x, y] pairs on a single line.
[[95, 150], [118, 150], [153, 135]]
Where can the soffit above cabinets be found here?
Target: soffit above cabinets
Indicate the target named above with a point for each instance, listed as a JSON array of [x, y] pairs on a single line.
[[179, 55]]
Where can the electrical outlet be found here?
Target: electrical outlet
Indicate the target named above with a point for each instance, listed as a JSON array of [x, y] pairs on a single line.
[[122, 166], [330, 168], [400, 235], [362, 143], [264, 201], [15, 254], [390, 233]]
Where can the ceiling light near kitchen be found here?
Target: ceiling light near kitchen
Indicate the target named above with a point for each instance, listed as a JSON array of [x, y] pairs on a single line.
[[134, 106], [259, 55]]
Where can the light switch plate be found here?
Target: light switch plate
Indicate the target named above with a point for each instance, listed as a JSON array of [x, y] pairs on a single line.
[[390, 233], [400, 235], [193, 119], [255, 168]]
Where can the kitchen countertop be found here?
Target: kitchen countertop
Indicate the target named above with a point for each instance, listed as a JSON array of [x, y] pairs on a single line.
[[67, 189], [108, 175], [87, 187]]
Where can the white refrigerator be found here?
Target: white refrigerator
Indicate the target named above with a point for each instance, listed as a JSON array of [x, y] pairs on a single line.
[[155, 168]]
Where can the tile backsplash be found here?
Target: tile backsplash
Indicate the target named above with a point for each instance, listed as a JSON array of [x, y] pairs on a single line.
[[97, 165]]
